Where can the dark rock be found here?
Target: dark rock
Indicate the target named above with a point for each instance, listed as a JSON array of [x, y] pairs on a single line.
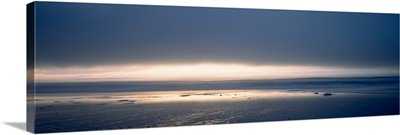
[[123, 100], [207, 94], [327, 94]]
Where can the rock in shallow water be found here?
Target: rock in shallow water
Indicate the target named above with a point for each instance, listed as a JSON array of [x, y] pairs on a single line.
[[327, 94]]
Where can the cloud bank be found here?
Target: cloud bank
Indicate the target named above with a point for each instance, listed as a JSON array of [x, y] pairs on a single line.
[[80, 35]]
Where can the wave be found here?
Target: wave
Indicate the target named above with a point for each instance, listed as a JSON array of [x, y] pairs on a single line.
[[354, 84]]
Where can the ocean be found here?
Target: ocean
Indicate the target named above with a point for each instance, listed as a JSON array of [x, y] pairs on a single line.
[[360, 84], [80, 106]]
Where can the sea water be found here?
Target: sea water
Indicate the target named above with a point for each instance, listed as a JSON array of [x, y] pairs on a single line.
[[79, 106]]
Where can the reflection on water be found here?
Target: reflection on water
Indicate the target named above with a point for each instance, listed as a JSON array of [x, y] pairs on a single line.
[[168, 96]]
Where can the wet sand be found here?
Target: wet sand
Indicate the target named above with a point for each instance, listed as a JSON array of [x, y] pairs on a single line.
[[120, 110]]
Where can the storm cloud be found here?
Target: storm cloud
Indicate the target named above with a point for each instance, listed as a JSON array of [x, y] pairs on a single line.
[[69, 34]]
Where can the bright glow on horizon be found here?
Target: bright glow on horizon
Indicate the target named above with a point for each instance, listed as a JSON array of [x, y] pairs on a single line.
[[195, 72]]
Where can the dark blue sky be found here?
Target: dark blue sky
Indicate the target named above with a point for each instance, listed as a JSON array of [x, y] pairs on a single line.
[[100, 34]]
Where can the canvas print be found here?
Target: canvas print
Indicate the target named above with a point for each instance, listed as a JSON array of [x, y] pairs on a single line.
[[112, 66]]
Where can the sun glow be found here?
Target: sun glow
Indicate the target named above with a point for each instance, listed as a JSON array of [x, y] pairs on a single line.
[[194, 72]]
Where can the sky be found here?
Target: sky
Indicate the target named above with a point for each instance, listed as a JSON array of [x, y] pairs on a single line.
[[100, 42]]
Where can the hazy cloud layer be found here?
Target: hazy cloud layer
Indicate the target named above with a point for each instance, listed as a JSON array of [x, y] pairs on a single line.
[[95, 34]]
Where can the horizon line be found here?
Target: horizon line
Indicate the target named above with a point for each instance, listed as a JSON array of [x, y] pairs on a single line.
[[47, 82]]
